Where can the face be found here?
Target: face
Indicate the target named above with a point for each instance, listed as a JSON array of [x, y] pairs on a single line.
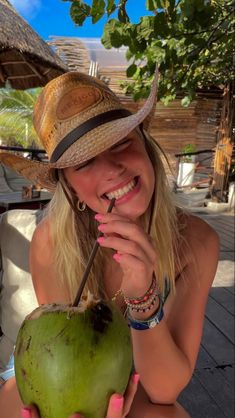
[[124, 171]]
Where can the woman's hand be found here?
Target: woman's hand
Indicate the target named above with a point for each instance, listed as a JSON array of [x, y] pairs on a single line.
[[119, 406], [134, 251]]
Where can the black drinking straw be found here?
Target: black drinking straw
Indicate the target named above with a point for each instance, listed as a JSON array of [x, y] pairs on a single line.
[[90, 261]]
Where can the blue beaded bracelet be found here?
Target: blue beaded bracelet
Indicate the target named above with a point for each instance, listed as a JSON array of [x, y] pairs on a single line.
[[141, 325]]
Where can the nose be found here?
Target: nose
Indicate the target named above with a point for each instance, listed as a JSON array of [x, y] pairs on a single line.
[[110, 167]]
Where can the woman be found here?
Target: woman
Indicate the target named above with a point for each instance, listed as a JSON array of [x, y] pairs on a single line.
[[152, 258]]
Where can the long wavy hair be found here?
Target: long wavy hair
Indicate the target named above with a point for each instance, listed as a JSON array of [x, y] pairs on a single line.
[[74, 233]]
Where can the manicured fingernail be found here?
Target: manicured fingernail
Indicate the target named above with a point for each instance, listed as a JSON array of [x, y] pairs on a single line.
[[100, 240], [77, 416], [101, 227], [117, 257], [117, 402], [98, 217], [136, 378], [25, 412]]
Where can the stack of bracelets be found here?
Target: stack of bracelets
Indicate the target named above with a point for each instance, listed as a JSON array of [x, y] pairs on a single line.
[[143, 304]]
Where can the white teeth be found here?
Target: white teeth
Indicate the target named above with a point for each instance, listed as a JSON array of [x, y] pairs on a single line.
[[121, 192]]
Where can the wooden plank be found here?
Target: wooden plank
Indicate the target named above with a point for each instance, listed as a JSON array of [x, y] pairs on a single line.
[[229, 373], [225, 275], [226, 233], [227, 255], [220, 220], [224, 297], [225, 226], [231, 290], [226, 241], [217, 345], [206, 362], [224, 246], [219, 389], [198, 402], [204, 359], [221, 318]]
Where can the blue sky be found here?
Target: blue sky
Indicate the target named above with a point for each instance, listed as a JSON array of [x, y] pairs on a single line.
[[51, 17]]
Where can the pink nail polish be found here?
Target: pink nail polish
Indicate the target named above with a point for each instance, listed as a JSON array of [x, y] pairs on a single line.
[[25, 412], [117, 257], [136, 378], [100, 240], [77, 416], [117, 402], [98, 217], [101, 227]]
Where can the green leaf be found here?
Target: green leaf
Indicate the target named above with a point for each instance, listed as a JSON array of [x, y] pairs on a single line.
[[151, 5], [16, 127], [145, 28], [186, 101], [116, 39], [97, 10], [122, 15], [161, 25], [113, 34], [79, 11], [111, 7], [131, 70], [191, 40]]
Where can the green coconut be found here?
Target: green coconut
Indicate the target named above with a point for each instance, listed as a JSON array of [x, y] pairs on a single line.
[[72, 359]]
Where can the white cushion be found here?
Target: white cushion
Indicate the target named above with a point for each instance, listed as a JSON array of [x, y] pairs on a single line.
[[14, 180], [17, 296], [4, 188]]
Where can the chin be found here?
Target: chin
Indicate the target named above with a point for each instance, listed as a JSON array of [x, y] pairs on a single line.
[[133, 212]]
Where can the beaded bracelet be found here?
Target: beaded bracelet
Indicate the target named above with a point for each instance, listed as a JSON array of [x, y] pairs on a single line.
[[149, 323], [145, 302]]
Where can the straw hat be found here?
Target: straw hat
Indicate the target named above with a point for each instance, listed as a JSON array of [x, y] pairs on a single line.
[[76, 117]]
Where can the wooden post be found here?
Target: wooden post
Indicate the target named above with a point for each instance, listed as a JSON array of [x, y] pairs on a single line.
[[224, 148]]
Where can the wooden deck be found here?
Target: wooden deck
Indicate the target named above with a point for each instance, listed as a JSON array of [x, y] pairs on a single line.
[[210, 393]]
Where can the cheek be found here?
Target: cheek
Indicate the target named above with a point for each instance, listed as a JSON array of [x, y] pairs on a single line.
[[77, 182], [146, 167], [84, 188], [150, 179]]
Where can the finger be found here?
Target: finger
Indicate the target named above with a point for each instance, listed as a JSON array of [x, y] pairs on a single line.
[[124, 246], [109, 217], [115, 406], [30, 412], [132, 232], [130, 393]]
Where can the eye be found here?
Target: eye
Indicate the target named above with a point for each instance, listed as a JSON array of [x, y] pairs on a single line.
[[121, 145], [83, 165]]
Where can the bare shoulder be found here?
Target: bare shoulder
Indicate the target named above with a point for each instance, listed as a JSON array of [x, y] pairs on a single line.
[[47, 284], [200, 244], [41, 248], [196, 230], [42, 231], [41, 241]]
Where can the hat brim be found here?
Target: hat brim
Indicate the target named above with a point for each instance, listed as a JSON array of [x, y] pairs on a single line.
[[85, 148]]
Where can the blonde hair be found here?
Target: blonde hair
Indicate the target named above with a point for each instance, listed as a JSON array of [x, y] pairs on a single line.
[[73, 236]]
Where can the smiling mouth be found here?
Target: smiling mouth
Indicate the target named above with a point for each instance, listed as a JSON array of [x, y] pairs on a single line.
[[119, 193]]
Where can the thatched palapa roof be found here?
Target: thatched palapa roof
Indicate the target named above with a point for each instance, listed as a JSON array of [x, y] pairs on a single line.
[[88, 55], [26, 60]]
